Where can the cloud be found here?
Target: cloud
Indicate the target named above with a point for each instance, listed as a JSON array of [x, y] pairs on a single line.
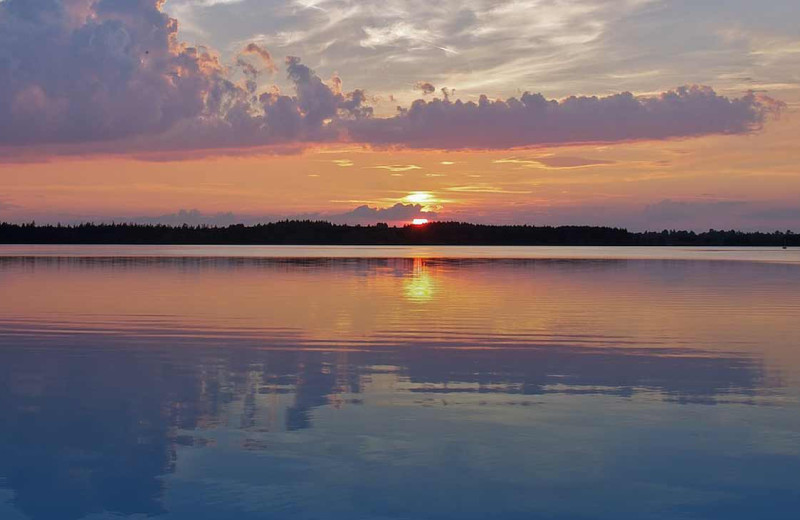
[[398, 167], [696, 214], [721, 214], [77, 71], [483, 188], [534, 120], [399, 33], [425, 86], [252, 72], [367, 215], [97, 72], [555, 163], [252, 49], [558, 47], [399, 213], [778, 214], [670, 210], [194, 217], [111, 76], [6, 205]]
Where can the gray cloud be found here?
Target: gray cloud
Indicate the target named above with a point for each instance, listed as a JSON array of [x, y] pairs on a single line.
[[697, 215], [361, 215], [367, 215], [666, 214], [78, 71], [554, 46], [534, 120], [110, 76], [425, 87], [195, 217], [791, 214], [67, 77], [669, 210], [265, 58]]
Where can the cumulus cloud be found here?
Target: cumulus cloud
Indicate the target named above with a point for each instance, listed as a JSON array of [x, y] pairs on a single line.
[[368, 215], [253, 49], [111, 76], [89, 71], [77, 71], [534, 120]]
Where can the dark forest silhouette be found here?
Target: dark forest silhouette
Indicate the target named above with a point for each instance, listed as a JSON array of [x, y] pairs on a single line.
[[434, 233]]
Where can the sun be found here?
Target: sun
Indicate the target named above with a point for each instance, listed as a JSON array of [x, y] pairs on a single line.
[[419, 221]]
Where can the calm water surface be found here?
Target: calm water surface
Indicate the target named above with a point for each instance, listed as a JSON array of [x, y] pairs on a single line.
[[206, 382]]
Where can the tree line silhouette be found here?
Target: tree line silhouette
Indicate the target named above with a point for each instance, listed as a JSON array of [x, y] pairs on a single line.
[[306, 232]]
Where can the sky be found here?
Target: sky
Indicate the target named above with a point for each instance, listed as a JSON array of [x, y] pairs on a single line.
[[646, 114]]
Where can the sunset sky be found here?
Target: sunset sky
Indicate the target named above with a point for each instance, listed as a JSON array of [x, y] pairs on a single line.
[[647, 114]]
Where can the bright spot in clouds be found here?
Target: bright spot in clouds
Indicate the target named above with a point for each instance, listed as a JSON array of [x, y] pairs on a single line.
[[398, 167], [419, 221], [419, 197]]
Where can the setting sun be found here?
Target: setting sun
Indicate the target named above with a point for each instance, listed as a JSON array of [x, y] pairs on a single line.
[[399, 259]]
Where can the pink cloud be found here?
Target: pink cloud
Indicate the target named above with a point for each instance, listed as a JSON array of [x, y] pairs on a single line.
[[111, 77]]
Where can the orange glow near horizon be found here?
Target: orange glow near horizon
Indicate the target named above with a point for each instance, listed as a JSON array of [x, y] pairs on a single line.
[[712, 181]]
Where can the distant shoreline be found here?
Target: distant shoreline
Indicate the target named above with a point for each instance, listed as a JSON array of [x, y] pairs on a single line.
[[320, 233]]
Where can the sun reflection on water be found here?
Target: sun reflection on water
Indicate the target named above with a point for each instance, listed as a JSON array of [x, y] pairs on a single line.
[[420, 287]]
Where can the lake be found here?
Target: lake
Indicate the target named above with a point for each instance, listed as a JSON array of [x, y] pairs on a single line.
[[250, 382]]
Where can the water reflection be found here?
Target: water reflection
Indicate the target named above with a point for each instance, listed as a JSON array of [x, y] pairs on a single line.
[[374, 389], [420, 286], [94, 425]]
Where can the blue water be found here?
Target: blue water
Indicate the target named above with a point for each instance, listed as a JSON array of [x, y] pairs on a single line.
[[203, 386]]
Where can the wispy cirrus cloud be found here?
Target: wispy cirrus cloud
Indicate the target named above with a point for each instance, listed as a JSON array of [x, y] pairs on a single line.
[[397, 167], [484, 188], [555, 162]]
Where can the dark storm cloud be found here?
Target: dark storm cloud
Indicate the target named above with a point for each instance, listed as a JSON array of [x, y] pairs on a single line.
[[110, 76]]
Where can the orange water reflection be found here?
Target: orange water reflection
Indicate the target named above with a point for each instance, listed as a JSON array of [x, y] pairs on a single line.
[[713, 306], [135, 385]]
